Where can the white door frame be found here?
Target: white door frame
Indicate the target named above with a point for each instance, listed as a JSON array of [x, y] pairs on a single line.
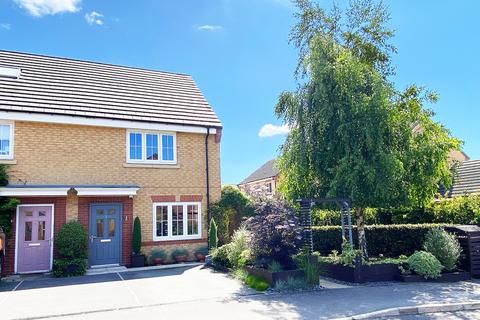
[[51, 205]]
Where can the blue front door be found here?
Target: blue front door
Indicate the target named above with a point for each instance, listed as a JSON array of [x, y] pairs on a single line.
[[105, 234]]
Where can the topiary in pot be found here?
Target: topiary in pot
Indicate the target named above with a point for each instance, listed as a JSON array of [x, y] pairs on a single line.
[[180, 255], [157, 256], [425, 264], [137, 259], [72, 247], [444, 246]]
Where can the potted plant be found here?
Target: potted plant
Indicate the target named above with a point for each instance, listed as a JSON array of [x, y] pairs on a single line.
[[138, 260], [157, 256], [201, 253], [180, 255]]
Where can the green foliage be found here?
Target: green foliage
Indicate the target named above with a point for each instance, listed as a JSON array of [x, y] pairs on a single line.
[[309, 266], [72, 246], [179, 252], [274, 266], [137, 236], [387, 240], [202, 250], [229, 212], [240, 274], [353, 134], [291, 284], [425, 264], [459, 210], [256, 283], [69, 267], [444, 246], [158, 254], [7, 205], [237, 247], [72, 241], [212, 235], [220, 257], [349, 254]]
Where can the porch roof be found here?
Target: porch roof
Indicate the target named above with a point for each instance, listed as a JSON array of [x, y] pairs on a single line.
[[63, 189]]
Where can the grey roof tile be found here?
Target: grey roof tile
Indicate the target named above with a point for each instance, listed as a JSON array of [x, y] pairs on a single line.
[[267, 170], [81, 88], [467, 179]]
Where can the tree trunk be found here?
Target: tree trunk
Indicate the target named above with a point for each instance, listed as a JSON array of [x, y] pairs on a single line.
[[362, 239]]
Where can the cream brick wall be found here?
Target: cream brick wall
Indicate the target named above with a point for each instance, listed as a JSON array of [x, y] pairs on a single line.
[[68, 154]]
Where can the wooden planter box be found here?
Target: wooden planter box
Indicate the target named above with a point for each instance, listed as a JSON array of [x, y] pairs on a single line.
[[273, 277], [360, 273], [445, 277]]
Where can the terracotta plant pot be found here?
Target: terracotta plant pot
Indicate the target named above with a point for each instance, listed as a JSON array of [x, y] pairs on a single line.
[[200, 256], [181, 258]]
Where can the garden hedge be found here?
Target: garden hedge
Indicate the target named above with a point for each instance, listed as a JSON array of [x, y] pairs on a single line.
[[388, 240]]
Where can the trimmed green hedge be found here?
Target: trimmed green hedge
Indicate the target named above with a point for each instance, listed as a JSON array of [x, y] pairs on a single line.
[[388, 240]]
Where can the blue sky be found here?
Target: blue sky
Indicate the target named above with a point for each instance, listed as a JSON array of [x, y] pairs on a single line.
[[237, 51]]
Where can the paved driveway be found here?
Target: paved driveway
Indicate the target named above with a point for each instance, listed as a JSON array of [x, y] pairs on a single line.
[[194, 292], [48, 297]]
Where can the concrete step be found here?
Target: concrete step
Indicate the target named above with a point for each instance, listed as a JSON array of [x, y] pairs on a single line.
[[106, 270]]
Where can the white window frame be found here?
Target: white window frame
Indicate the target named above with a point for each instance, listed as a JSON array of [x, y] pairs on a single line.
[[185, 221], [12, 128], [144, 147]]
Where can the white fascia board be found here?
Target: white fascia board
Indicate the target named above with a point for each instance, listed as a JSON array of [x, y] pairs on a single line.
[[25, 192], [106, 191], [98, 122]]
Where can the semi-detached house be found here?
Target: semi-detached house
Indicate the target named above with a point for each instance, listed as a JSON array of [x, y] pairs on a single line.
[[103, 144]]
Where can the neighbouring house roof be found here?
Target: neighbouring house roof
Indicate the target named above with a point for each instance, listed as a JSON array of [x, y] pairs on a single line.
[[267, 170], [59, 86], [467, 179]]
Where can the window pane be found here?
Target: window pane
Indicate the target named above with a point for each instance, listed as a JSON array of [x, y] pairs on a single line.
[[41, 213], [100, 228], [152, 146], [135, 146], [41, 230], [28, 230], [177, 220], [167, 147], [5, 140], [29, 214], [192, 219], [111, 227], [162, 221]]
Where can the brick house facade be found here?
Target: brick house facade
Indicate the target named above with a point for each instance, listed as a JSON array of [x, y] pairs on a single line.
[[149, 161]]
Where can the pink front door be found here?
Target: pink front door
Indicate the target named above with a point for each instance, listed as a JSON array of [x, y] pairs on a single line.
[[34, 239]]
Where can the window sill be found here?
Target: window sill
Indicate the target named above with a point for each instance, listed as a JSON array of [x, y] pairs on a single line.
[[166, 239], [8, 161], [151, 165]]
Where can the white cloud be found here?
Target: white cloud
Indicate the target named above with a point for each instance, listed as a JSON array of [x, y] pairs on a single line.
[[208, 27], [94, 18], [40, 8], [6, 26], [270, 130]]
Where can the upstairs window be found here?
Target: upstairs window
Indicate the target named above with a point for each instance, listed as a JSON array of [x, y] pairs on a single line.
[[151, 147], [6, 140]]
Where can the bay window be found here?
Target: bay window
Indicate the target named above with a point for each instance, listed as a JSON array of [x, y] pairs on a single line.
[[151, 147], [177, 221]]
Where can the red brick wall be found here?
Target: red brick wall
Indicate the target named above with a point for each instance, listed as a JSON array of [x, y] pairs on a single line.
[[127, 220], [59, 217]]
